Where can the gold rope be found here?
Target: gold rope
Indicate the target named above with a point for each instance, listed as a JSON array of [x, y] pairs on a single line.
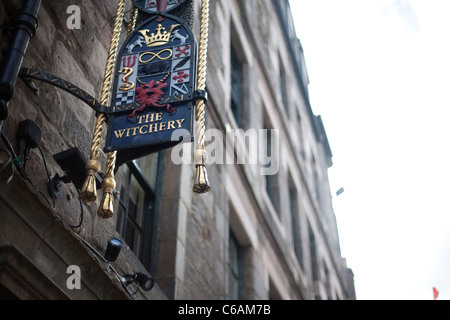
[[132, 20], [201, 183], [89, 190], [106, 208]]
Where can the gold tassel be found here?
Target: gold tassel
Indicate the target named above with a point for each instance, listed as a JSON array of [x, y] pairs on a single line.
[[106, 208], [88, 192], [201, 182]]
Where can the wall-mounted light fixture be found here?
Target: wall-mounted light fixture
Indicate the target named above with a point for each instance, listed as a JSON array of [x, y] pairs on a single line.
[[113, 249], [144, 281]]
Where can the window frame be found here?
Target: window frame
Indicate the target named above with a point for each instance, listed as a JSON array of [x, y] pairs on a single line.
[[144, 248], [235, 275], [236, 87]]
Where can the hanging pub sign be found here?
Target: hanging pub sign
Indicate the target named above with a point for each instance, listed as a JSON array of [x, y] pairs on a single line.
[[154, 89]]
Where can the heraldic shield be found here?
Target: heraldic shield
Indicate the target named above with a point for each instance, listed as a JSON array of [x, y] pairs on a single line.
[[154, 89]]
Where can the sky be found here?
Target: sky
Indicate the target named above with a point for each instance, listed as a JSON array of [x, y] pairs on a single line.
[[379, 74]]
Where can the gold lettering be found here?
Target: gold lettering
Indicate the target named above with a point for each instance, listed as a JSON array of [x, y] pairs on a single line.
[[171, 125], [119, 133], [140, 119], [180, 122], [141, 129], [153, 128], [149, 127], [149, 117]]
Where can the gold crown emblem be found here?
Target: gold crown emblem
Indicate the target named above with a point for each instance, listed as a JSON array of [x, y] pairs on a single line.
[[159, 37]]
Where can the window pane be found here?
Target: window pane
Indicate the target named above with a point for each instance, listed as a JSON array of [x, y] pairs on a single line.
[[236, 86], [121, 214], [123, 200], [234, 266], [135, 211], [149, 168], [137, 196], [135, 214]]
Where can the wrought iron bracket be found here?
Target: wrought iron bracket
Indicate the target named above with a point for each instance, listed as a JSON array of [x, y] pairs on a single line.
[[28, 74]]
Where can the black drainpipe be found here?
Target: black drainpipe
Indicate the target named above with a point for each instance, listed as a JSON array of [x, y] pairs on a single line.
[[23, 29]]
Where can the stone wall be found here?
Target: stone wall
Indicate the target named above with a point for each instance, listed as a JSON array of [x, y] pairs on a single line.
[[192, 231], [78, 56]]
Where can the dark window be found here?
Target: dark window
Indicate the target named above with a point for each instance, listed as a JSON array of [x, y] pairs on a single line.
[[313, 253], [272, 181], [236, 87], [316, 179], [295, 220], [136, 210], [235, 268]]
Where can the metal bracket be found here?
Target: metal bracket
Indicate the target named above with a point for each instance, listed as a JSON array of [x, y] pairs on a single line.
[[201, 94], [28, 74], [54, 185]]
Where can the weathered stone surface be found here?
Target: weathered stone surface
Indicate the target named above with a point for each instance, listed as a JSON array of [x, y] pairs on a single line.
[[190, 237]]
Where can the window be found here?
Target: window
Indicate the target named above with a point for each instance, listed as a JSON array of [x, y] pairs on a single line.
[[313, 254], [301, 142], [137, 202], [235, 268], [272, 180], [295, 221], [316, 179], [236, 87]]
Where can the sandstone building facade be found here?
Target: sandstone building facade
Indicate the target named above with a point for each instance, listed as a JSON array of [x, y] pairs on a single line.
[[266, 230]]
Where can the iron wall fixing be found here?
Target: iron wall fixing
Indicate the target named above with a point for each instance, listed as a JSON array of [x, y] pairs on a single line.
[[23, 29]]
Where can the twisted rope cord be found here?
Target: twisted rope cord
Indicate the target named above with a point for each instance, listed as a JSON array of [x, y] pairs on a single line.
[[106, 208], [201, 183], [201, 74], [132, 20], [107, 81], [89, 190]]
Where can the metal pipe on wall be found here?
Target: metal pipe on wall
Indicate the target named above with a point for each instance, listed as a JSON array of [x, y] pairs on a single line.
[[23, 29]]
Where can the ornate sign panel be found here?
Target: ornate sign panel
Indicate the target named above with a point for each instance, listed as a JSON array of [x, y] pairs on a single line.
[[157, 6], [153, 89]]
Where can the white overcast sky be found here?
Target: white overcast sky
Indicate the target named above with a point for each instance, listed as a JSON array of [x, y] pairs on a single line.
[[380, 78]]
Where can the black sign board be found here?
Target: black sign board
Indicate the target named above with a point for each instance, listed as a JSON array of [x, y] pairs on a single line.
[[153, 92]]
